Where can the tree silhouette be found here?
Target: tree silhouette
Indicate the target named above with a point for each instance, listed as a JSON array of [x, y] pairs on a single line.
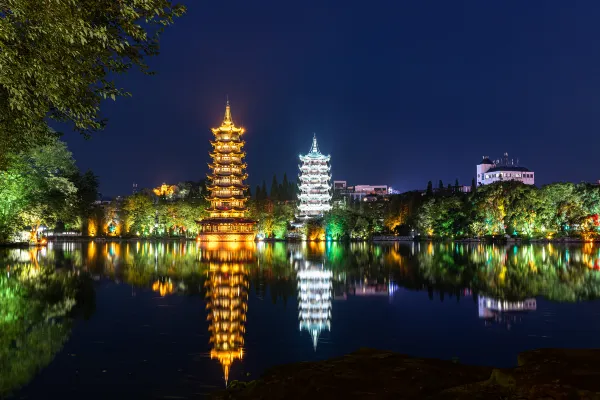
[[274, 187]]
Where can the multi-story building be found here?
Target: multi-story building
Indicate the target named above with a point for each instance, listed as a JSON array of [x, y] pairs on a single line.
[[314, 183], [489, 171], [227, 212]]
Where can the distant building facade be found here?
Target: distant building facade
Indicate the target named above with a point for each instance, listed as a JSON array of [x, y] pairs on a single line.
[[361, 192], [489, 172], [339, 185]]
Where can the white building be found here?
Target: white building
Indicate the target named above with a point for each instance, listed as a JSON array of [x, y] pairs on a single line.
[[314, 183], [339, 185], [368, 189], [489, 171]]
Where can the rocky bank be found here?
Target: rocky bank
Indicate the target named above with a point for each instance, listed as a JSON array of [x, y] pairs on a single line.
[[374, 374]]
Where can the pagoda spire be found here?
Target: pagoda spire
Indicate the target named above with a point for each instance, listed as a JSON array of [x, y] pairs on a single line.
[[226, 373], [227, 120], [314, 148]]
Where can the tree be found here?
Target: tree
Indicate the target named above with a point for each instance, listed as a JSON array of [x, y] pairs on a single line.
[[87, 193], [473, 186], [274, 187], [429, 188], [441, 185], [257, 193], [140, 215], [36, 189], [456, 185], [263, 191], [285, 194], [57, 59]]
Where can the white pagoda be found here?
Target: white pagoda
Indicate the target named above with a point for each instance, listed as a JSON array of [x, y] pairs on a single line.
[[314, 183], [314, 299]]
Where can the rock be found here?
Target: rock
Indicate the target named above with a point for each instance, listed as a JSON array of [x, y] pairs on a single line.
[[375, 374]]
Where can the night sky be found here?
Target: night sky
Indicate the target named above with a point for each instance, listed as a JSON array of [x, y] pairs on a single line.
[[398, 92]]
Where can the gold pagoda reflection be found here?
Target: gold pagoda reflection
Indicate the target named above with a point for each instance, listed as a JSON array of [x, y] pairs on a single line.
[[227, 299]]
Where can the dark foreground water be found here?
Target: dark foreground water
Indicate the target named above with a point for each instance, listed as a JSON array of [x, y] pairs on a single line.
[[172, 320]]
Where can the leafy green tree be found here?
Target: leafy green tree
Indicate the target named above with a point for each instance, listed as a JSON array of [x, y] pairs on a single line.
[[429, 188], [38, 180], [87, 193], [338, 222], [473, 186], [283, 213], [57, 58], [139, 214], [361, 229]]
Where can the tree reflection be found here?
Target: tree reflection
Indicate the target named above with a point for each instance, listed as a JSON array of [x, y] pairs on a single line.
[[41, 290], [36, 301]]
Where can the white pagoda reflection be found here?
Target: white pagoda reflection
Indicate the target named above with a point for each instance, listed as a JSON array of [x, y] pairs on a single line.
[[314, 298]]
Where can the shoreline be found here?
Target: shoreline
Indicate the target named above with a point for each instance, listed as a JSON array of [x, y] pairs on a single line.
[[370, 373], [375, 239]]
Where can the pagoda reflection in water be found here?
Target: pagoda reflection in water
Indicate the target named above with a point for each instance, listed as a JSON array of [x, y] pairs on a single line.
[[227, 299], [314, 297]]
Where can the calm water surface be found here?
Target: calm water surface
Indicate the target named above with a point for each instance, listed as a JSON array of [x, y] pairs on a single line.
[[171, 319]]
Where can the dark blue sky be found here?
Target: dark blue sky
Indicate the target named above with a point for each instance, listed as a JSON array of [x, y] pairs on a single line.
[[398, 92]]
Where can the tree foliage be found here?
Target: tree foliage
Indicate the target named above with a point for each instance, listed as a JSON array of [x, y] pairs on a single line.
[[39, 187], [516, 209], [58, 58]]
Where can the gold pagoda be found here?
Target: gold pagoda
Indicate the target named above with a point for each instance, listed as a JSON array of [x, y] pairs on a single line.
[[227, 302], [227, 212]]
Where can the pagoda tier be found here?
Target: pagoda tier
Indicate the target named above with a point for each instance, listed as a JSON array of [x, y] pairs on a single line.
[[228, 145], [227, 211], [314, 183], [227, 304], [221, 167]]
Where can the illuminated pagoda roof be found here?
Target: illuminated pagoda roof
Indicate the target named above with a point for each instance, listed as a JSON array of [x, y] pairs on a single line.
[[314, 152], [227, 125]]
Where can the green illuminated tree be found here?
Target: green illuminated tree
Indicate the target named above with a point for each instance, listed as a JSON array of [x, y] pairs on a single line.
[[37, 189], [139, 214]]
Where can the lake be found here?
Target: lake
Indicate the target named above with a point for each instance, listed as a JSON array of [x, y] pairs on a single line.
[[176, 319]]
